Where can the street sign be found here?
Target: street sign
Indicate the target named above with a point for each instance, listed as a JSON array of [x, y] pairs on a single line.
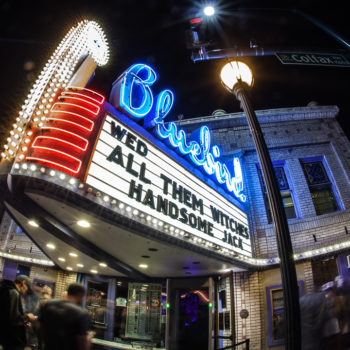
[[313, 59]]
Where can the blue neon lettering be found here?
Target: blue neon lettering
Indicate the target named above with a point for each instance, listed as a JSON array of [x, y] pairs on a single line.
[[136, 99], [134, 83]]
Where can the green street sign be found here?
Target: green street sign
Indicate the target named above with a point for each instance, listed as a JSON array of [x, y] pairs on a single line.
[[313, 59]]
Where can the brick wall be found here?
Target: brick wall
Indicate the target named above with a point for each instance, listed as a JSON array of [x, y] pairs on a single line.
[[308, 277], [64, 279], [248, 295], [43, 273]]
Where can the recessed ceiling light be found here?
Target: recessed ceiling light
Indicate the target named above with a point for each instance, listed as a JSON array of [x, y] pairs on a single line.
[[145, 256], [103, 264], [80, 265], [69, 268], [74, 255], [93, 271], [33, 223], [61, 259], [83, 223], [143, 266], [153, 249], [50, 246]]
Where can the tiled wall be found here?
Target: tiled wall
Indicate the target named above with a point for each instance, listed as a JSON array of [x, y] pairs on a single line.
[[248, 296]]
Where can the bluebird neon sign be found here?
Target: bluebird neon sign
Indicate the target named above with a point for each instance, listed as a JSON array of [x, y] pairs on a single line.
[[132, 95]]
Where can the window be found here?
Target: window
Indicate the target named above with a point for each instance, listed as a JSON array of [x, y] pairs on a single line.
[[23, 270], [320, 186], [286, 193], [139, 314]]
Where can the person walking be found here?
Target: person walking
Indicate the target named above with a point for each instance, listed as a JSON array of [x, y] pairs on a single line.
[[342, 310], [30, 303], [331, 329], [12, 319], [313, 311], [64, 324]]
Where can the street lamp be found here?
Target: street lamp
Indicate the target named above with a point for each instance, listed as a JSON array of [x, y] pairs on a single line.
[[209, 10], [236, 77]]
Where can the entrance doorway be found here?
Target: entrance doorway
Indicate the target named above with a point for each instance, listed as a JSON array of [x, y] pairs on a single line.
[[193, 319], [190, 313]]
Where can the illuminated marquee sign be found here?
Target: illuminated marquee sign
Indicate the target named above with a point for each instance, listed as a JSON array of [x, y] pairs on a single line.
[[132, 94], [128, 166], [67, 129]]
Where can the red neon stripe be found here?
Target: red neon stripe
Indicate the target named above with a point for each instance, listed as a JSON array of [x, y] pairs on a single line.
[[70, 122], [85, 89], [57, 151], [59, 140], [77, 98], [54, 163], [66, 131], [68, 93], [76, 115], [74, 105]]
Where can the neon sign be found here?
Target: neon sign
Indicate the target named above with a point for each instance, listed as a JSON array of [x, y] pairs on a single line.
[[132, 94]]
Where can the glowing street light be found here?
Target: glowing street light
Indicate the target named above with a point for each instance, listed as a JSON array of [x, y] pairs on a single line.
[[235, 71], [209, 11], [236, 77]]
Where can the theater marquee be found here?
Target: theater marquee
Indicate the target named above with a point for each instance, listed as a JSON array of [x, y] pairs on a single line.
[[124, 151], [128, 167]]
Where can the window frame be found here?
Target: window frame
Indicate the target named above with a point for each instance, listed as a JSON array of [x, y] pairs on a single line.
[[331, 183], [278, 164]]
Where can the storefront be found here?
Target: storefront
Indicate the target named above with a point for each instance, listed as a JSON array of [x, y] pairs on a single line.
[[110, 192]]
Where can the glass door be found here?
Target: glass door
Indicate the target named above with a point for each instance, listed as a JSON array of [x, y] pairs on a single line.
[[96, 304]]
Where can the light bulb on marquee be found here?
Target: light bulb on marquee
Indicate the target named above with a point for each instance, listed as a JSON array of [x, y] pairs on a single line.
[[90, 39]]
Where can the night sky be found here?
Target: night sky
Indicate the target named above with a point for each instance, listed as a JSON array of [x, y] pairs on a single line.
[[153, 32]]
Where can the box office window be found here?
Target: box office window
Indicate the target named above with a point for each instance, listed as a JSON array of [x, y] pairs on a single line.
[[139, 316], [320, 186], [286, 192]]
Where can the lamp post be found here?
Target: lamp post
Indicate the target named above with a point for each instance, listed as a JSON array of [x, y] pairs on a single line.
[[236, 77]]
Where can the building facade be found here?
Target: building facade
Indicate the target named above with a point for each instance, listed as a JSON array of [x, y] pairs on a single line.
[[311, 156]]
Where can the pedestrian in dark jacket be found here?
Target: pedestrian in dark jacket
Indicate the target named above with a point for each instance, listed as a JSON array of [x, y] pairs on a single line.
[[30, 304], [312, 310], [12, 321], [65, 323]]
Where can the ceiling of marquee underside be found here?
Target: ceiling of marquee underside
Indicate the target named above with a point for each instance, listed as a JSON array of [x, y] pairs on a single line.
[[162, 258], [42, 237]]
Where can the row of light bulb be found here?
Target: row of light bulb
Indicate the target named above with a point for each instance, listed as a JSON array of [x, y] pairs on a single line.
[[62, 179], [55, 76], [27, 259], [103, 199]]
